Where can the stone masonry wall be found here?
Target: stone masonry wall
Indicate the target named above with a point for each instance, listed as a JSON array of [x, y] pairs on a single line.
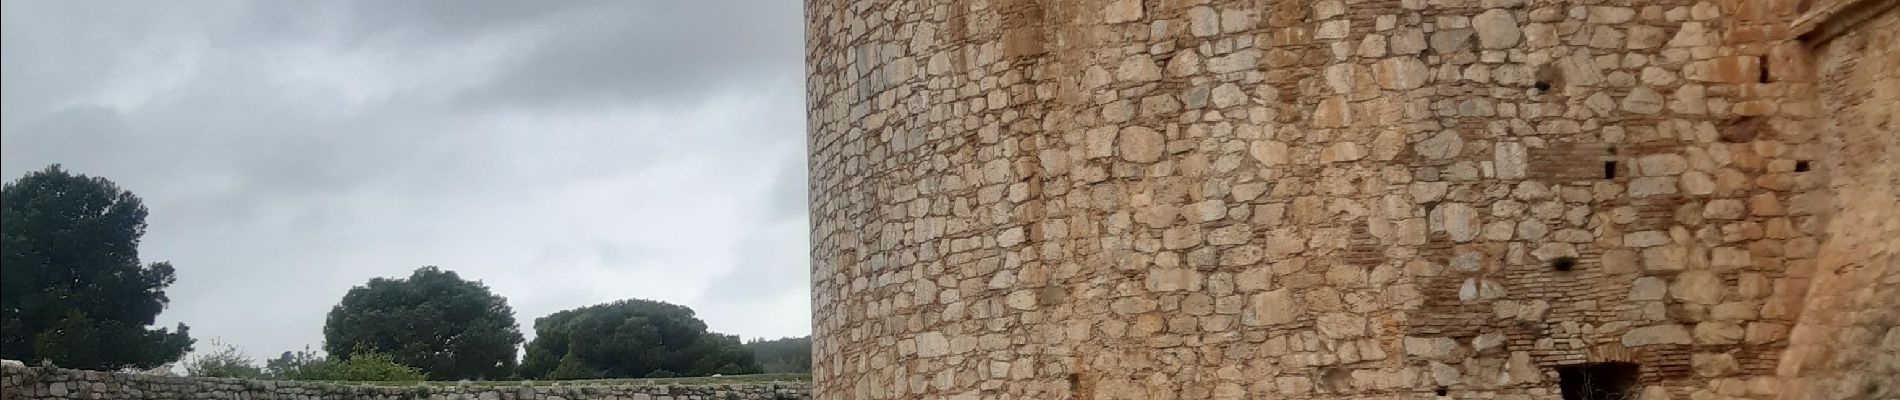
[[1846, 344], [1345, 199], [33, 383]]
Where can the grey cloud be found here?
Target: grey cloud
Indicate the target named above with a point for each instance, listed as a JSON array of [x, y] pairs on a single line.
[[566, 153], [655, 54]]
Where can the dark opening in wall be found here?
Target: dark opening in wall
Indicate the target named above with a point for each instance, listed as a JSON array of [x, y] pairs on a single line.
[[1801, 166], [1599, 381], [1564, 263], [1609, 170], [1443, 391], [1764, 70]]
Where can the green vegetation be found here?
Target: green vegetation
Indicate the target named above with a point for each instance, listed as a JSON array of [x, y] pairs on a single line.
[[225, 361], [365, 366], [72, 288], [631, 339], [434, 320], [785, 355]]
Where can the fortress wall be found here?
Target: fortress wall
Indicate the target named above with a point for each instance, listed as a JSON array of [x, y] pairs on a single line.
[[36, 383], [1321, 199], [1847, 342]]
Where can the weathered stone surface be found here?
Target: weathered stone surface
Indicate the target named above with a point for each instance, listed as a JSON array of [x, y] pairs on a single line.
[[1303, 200], [1444, 145], [1658, 334], [1273, 308], [1497, 29], [1123, 11], [1698, 287], [1140, 144]]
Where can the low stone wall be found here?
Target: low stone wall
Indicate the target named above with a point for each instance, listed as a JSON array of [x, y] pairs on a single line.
[[45, 383]]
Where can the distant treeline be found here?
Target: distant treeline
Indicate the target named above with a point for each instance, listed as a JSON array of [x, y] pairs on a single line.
[[792, 354]]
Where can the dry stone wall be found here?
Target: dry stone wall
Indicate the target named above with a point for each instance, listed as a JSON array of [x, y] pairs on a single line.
[[38, 383], [1346, 199]]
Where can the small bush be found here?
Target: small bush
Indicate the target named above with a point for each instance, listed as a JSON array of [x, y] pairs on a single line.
[[361, 366], [223, 361]]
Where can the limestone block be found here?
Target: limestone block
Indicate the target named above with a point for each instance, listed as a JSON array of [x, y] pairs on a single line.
[[1140, 144], [1656, 334], [1497, 29], [1273, 308], [1123, 11]]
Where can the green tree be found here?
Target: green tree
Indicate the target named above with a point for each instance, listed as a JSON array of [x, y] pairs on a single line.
[[362, 366], [224, 361], [792, 354], [72, 289], [631, 339], [434, 320]]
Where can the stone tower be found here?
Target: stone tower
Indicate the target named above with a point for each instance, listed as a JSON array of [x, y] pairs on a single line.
[[1351, 199]]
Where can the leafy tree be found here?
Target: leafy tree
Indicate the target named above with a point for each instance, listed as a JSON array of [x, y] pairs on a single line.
[[362, 366], [72, 289], [792, 354], [226, 361], [631, 339], [434, 320]]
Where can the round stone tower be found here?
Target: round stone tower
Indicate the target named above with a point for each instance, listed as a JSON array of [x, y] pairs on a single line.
[[1336, 199]]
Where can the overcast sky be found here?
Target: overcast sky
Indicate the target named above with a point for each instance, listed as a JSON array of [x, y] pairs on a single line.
[[565, 153]]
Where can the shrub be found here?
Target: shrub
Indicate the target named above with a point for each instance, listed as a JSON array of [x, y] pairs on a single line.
[[361, 366], [224, 361]]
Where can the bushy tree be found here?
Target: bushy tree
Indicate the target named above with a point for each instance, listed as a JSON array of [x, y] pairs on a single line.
[[72, 288], [224, 361], [433, 320], [792, 354], [363, 366], [631, 339]]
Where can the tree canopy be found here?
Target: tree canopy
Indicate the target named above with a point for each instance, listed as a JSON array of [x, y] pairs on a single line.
[[72, 288], [447, 327], [631, 339]]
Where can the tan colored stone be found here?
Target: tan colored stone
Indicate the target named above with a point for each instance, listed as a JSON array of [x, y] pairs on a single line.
[[1497, 29], [1140, 144], [1274, 307], [1656, 334], [1123, 11]]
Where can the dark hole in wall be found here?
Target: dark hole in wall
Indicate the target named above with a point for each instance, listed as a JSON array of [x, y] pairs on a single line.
[[1609, 170], [1442, 391], [1564, 263], [1549, 76], [1801, 166], [1599, 381], [1764, 70]]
